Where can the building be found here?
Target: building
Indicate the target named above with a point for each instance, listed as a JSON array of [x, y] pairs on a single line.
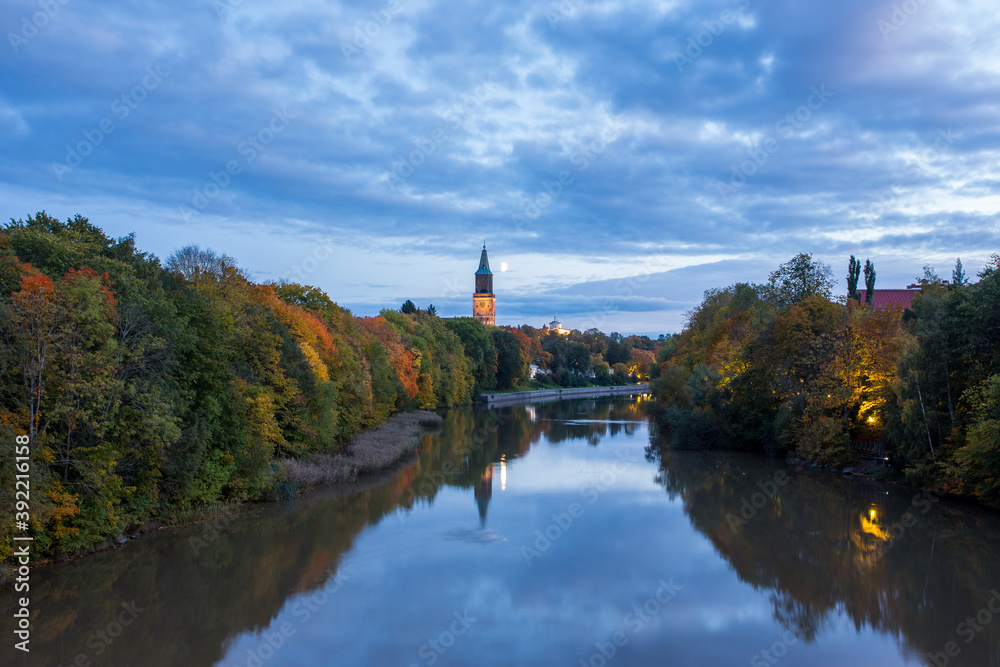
[[883, 299], [483, 299], [555, 326]]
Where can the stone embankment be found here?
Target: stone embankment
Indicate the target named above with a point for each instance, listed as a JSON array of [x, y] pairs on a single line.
[[561, 394]]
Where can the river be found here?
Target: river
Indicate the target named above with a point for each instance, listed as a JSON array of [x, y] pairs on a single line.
[[547, 534]]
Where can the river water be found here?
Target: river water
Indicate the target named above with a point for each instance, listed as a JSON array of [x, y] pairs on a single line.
[[548, 534]]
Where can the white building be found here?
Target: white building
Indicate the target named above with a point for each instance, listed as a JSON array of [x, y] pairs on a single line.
[[555, 326]]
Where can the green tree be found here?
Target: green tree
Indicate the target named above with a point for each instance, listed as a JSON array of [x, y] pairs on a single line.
[[512, 362], [798, 278], [869, 281], [979, 458], [479, 348], [958, 278], [853, 274]]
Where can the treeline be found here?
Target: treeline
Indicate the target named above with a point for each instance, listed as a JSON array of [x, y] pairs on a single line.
[[568, 359], [148, 388], [784, 368], [577, 358]]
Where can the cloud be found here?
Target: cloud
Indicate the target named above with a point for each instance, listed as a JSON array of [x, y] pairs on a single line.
[[587, 135]]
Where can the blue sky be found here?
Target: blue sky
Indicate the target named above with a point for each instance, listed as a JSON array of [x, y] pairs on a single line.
[[619, 157]]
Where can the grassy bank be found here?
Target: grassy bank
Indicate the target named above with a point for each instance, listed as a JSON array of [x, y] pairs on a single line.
[[368, 452]]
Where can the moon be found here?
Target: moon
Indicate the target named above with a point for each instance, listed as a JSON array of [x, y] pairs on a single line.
[[503, 266]]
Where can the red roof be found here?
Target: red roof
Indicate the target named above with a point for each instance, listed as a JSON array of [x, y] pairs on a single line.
[[884, 298]]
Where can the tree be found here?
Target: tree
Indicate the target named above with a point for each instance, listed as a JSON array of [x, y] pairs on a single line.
[[869, 281], [408, 307], [958, 275], [512, 362], [479, 348], [618, 351], [798, 278], [34, 333], [431, 310], [981, 456], [853, 273], [192, 262]]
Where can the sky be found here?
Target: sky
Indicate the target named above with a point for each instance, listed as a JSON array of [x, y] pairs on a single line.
[[617, 157]]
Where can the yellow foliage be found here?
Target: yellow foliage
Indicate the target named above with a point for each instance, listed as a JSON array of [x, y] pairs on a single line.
[[315, 363], [64, 506]]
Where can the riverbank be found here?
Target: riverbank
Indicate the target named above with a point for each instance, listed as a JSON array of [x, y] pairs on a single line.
[[368, 453], [513, 397]]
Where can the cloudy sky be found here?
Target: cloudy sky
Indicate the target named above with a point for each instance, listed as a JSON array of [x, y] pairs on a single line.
[[618, 157]]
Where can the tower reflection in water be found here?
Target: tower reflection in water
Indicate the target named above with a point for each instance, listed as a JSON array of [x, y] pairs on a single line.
[[483, 491]]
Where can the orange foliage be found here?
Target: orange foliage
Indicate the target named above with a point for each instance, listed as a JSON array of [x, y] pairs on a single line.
[[403, 362], [72, 275], [312, 335]]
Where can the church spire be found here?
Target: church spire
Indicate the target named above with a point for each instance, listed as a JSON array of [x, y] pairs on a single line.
[[484, 264]]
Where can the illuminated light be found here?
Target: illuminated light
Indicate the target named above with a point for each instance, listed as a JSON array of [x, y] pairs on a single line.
[[871, 420], [871, 514], [503, 473]]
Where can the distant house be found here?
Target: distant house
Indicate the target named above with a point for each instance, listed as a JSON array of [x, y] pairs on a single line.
[[555, 326], [883, 299]]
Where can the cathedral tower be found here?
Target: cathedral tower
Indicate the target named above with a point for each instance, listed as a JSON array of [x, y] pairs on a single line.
[[483, 300]]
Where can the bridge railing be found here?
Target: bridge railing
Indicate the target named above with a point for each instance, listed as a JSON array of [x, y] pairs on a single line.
[[869, 448]]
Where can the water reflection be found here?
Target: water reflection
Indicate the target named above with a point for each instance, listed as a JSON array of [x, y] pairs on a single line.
[[197, 589], [901, 562], [854, 573]]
